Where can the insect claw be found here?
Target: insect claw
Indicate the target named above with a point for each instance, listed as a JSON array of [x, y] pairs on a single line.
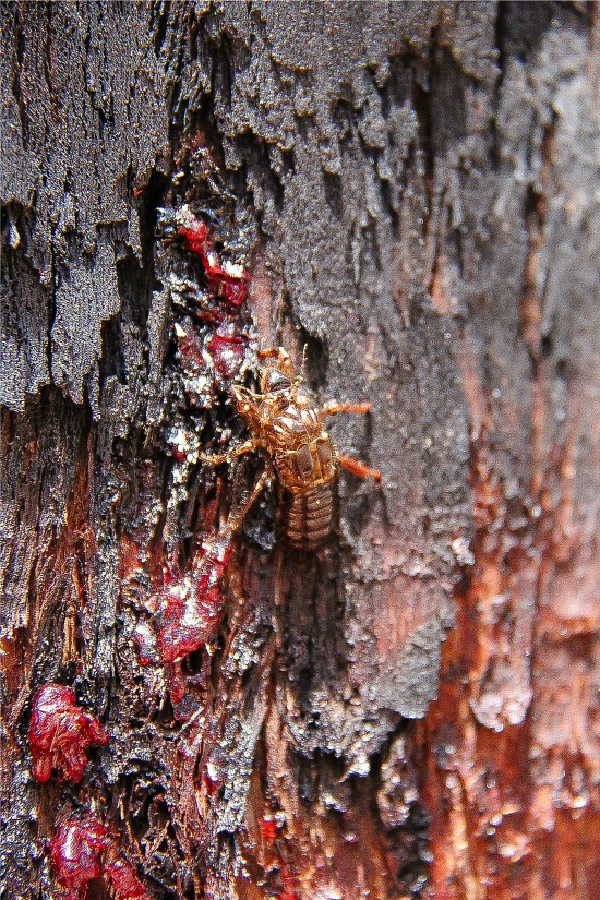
[[219, 459], [215, 459]]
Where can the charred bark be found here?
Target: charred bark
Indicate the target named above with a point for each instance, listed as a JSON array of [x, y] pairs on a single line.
[[412, 192]]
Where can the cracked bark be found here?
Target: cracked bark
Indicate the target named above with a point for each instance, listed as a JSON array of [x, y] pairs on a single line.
[[420, 185]]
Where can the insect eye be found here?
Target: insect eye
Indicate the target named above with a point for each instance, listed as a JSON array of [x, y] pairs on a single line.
[[276, 381]]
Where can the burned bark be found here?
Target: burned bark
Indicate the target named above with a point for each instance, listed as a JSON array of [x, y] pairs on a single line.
[[411, 192]]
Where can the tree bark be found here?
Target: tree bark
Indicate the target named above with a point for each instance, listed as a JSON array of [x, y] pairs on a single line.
[[413, 189]]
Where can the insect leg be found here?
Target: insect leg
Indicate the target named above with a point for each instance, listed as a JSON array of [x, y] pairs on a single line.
[[331, 409], [278, 353], [359, 468], [270, 353], [235, 519], [217, 459]]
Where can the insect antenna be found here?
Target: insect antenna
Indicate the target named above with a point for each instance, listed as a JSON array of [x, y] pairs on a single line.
[[303, 363]]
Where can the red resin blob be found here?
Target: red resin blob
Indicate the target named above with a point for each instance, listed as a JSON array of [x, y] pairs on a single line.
[[227, 351], [225, 280], [124, 882], [75, 853], [269, 829], [195, 238], [233, 288], [194, 603], [61, 733]]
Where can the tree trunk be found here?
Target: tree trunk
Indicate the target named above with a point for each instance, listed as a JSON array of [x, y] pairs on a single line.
[[411, 191]]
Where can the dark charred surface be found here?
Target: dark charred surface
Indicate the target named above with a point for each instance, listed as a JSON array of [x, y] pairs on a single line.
[[412, 189]]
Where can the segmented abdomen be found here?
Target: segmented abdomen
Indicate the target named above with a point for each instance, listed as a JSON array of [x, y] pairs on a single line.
[[309, 516]]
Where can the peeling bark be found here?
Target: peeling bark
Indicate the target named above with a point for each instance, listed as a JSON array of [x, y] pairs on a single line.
[[413, 190]]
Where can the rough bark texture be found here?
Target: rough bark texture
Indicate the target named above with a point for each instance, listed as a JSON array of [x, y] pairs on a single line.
[[417, 187]]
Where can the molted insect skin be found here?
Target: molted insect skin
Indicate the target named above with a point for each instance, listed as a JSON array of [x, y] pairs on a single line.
[[289, 427]]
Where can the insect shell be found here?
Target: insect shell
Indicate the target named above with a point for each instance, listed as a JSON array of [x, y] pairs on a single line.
[[288, 426]]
